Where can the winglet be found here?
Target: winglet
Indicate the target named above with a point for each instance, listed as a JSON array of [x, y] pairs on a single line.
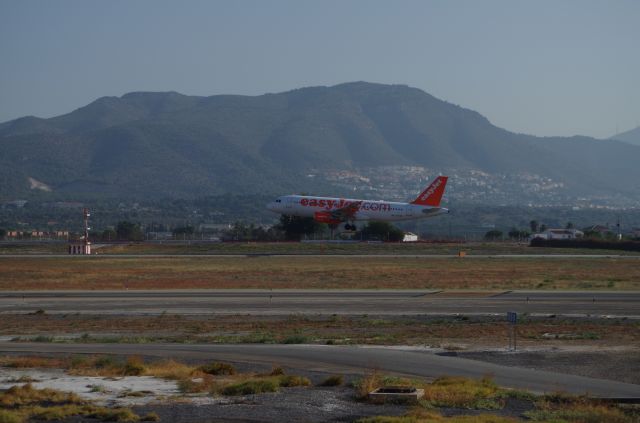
[[433, 194]]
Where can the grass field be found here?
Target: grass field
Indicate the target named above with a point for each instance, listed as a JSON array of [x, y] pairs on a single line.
[[200, 247], [22, 273], [441, 332]]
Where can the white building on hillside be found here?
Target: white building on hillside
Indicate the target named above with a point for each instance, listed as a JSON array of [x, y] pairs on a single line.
[[559, 234], [410, 237]]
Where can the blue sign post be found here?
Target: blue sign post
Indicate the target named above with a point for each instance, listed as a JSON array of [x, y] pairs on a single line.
[[512, 318]]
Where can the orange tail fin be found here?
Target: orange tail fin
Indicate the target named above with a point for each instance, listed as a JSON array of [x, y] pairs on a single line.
[[433, 194]]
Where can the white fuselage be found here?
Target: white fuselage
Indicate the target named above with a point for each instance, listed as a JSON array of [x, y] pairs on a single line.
[[308, 206]]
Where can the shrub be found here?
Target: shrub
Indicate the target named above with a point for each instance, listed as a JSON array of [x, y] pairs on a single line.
[[134, 367], [276, 371], [124, 415], [7, 416], [334, 380], [370, 382], [25, 395], [461, 392], [251, 387], [169, 369], [290, 381], [218, 369], [150, 417], [295, 339]]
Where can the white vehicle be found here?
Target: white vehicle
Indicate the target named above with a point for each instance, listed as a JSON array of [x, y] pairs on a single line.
[[338, 210]]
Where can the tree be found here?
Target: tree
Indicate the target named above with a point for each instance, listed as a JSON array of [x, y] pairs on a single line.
[[543, 227], [493, 235], [382, 231], [129, 231], [534, 225], [294, 227], [184, 230], [109, 235], [518, 234], [569, 225], [3, 233]]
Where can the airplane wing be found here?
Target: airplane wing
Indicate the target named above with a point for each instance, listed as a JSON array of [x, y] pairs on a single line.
[[339, 215]]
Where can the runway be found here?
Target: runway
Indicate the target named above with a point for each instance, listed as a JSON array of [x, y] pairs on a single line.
[[354, 302], [329, 255], [352, 359]]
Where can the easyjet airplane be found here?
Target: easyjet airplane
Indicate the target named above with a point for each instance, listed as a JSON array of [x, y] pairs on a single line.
[[339, 210]]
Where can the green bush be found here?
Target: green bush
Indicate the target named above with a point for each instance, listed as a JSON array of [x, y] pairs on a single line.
[[252, 387]]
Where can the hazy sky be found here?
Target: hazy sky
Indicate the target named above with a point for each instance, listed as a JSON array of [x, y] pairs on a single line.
[[540, 67]]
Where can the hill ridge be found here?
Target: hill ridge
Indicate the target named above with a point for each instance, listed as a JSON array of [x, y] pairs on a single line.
[[177, 145]]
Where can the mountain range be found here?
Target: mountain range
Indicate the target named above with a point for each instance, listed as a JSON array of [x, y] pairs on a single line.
[[165, 144], [632, 136]]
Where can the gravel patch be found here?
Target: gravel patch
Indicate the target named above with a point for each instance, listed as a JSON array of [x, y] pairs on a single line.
[[291, 404]]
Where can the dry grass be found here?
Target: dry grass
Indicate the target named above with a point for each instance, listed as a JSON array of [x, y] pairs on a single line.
[[563, 408], [26, 403], [31, 362], [213, 378], [169, 369], [456, 392], [409, 330], [461, 392], [426, 416], [318, 272], [26, 395]]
